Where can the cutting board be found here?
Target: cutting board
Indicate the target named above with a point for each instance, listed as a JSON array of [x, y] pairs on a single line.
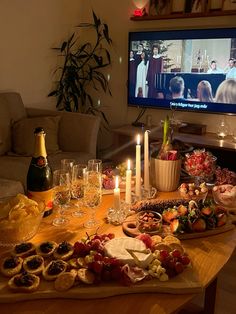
[[185, 283], [130, 228]]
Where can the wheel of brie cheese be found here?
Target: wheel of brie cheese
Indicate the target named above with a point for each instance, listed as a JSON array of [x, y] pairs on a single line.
[[119, 247]]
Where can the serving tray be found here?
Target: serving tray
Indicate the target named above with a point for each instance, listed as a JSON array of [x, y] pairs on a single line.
[[185, 283], [130, 228]]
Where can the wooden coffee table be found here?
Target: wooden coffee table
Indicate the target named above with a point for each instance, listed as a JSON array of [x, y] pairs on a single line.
[[208, 256]]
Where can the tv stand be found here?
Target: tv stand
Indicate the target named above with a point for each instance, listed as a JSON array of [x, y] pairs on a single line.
[[125, 139]]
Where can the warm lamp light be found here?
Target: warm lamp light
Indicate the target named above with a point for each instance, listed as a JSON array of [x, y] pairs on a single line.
[[117, 182]]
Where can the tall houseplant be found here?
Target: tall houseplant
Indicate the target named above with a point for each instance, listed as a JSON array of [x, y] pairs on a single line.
[[81, 70]]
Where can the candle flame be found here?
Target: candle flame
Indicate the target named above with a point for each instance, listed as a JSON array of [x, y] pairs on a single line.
[[138, 139], [117, 182], [128, 164]]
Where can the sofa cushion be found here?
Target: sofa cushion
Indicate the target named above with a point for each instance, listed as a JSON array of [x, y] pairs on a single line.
[[23, 134], [5, 127]]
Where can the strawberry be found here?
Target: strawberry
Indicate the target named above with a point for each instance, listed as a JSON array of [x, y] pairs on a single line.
[[207, 211], [199, 225], [182, 210], [175, 226], [169, 214], [221, 219]]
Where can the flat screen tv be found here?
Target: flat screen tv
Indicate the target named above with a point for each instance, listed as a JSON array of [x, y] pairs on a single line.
[[190, 70]]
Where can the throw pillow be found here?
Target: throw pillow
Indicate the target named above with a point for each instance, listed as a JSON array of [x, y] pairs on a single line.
[[23, 134]]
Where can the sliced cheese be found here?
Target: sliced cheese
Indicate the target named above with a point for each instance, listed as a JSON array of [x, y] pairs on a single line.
[[142, 259], [117, 247]]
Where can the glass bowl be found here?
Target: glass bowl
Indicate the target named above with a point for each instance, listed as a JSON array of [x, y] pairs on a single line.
[[225, 195], [19, 219], [200, 164], [149, 222], [193, 191]]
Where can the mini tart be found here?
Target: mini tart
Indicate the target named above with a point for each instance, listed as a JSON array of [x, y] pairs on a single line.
[[11, 265], [54, 269], [64, 251], [34, 264], [24, 282], [46, 249], [23, 249]]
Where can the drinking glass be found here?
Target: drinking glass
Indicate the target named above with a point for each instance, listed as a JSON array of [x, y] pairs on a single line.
[[95, 165], [77, 187], [61, 194], [67, 165], [92, 195]]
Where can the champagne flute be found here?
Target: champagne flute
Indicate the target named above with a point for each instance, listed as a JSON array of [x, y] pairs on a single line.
[[67, 165], [77, 187], [61, 194], [92, 196], [95, 165]]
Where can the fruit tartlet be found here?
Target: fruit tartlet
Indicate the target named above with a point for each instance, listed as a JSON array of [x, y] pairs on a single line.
[[24, 282], [46, 249], [34, 264], [23, 249], [64, 251], [54, 269], [11, 265]]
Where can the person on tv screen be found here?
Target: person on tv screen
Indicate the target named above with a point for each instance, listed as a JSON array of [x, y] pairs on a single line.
[[137, 56], [177, 88], [226, 92], [214, 68], [141, 76], [132, 74], [231, 70], [204, 91], [155, 66]]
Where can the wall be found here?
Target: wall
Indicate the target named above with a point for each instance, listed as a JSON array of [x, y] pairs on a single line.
[[28, 29]]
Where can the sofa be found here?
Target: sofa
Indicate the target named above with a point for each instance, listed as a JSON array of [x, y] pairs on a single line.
[[68, 135]]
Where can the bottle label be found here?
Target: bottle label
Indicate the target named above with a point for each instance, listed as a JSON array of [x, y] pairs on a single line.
[[46, 197], [40, 162]]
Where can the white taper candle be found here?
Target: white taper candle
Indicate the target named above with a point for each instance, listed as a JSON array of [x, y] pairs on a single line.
[[128, 183], [138, 169]]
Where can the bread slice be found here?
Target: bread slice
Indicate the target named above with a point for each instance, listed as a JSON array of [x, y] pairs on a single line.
[[54, 269], [65, 280], [34, 264], [86, 276], [46, 248], [24, 282], [11, 265]]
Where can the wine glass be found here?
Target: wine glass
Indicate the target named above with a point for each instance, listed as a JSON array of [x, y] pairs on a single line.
[[95, 165], [92, 195], [61, 194], [67, 165], [77, 187]]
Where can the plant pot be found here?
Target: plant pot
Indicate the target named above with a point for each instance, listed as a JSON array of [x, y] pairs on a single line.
[[165, 174]]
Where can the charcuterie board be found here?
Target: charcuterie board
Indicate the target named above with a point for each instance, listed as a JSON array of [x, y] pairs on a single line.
[[130, 228], [186, 282]]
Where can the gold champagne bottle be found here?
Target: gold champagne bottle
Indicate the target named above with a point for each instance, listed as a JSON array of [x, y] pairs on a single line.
[[39, 177]]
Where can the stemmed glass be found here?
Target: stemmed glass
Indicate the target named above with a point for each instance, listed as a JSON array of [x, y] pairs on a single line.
[[77, 187], [92, 195], [67, 165], [95, 165], [61, 194]]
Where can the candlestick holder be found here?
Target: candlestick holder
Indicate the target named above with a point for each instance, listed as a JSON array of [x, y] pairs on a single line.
[[117, 217], [146, 194]]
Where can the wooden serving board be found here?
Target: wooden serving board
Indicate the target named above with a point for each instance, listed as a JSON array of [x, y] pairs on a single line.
[[185, 283], [130, 228]]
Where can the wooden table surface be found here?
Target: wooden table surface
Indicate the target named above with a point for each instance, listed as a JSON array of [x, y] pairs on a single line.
[[208, 256]]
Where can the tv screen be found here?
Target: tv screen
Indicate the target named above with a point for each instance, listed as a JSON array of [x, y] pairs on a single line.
[[190, 70]]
